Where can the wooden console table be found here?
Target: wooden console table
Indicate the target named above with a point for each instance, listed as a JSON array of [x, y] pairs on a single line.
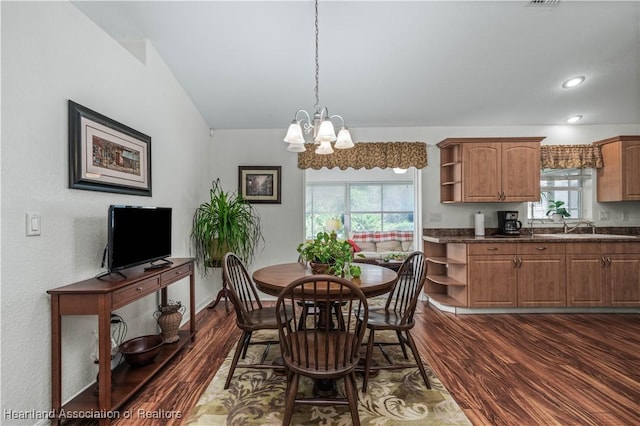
[[100, 297]]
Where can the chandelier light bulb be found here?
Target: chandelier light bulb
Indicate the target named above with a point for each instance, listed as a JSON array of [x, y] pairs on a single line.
[[344, 139], [296, 147], [324, 148], [294, 134], [326, 133]]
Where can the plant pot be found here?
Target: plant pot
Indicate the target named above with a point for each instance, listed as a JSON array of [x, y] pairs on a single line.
[[320, 268], [556, 217]]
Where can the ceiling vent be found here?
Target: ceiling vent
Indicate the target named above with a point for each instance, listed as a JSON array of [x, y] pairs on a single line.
[[544, 2]]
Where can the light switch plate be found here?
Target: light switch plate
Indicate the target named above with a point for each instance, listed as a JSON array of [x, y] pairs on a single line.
[[33, 224]]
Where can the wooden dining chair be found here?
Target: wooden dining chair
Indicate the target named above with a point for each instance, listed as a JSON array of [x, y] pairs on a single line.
[[397, 315], [250, 314], [308, 308], [319, 350]]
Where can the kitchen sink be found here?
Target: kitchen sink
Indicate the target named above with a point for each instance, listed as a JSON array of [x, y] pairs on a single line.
[[585, 236]]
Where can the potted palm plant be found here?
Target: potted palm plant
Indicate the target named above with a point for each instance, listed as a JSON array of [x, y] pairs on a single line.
[[226, 222]]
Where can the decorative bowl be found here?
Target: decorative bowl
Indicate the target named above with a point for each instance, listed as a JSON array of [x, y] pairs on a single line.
[[141, 350]]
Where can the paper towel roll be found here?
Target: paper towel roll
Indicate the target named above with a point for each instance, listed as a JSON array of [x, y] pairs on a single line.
[[479, 225]]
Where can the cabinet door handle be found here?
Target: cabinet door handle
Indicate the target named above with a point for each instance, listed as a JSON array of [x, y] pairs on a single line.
[[541, 248], [492, 248], [608, 260], [515, 262], [603, 260], [520, 262]]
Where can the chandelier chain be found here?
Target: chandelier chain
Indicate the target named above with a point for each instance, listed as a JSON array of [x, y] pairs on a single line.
[[317, 88]]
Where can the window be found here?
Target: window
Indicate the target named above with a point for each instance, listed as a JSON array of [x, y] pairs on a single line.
[[371, 206], [573, 186]]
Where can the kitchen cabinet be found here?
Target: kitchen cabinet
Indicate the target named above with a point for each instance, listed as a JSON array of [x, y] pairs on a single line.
[[541, 274], [528, 274], [492, 275], [490, 169], [619, 179], [603, 274], [517, 275]]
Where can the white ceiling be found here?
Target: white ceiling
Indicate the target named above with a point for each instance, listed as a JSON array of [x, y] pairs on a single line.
[[394, 63]]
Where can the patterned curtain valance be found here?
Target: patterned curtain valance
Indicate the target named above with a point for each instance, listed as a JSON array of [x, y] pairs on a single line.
[[570, 156], [367, 155]]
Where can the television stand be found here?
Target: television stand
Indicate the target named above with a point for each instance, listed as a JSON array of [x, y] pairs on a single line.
[[101, 297]]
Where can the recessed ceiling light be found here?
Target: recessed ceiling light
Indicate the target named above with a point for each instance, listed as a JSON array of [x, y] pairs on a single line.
[[573, 82], [574, 119]]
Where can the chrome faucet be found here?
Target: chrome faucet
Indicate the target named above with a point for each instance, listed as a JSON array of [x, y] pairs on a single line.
[[531, 225], [566, 229]]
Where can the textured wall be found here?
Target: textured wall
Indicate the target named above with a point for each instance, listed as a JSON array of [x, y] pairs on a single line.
[[51, 53]]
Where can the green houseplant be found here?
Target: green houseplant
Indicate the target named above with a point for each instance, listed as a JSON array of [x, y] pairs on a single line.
[[556, 210], [226, 222], [327, 254]]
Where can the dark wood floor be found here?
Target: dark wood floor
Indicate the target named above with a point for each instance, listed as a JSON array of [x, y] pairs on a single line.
[[537, 369]]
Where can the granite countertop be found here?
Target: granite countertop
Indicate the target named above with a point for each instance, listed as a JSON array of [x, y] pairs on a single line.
[[547, 238], [461, 235]]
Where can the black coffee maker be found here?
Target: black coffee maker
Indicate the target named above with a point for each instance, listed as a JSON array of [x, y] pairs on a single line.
[[508, 223]]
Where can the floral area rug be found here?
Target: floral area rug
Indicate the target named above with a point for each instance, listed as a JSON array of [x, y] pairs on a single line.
[[393, 397]]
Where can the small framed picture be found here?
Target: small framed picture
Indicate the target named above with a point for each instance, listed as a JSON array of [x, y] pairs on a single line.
[[105, 155], [260, 184]]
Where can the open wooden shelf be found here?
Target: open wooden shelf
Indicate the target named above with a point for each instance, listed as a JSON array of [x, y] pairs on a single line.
[[446, 300], [445, 261], [128, 380], [444, 280]]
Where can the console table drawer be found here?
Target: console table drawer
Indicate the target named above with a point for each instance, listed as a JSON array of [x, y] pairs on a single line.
[[135, 291], [175, 274]]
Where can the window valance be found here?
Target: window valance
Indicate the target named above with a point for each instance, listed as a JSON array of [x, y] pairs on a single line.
[[570, 156], [367, 155]]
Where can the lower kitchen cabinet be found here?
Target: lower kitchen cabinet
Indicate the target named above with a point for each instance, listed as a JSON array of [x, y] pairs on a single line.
[[603, 274], [493, 281], [534, 274], [542, 281], [517, 275]]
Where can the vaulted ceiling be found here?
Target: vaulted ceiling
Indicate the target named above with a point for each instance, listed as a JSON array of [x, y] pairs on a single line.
[[394, 63]]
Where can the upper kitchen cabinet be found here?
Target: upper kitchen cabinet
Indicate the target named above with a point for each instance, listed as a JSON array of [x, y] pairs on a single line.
[[619, 179], [483, 170]]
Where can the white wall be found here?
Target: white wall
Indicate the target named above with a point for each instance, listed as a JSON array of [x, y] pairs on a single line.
[[51, 53]]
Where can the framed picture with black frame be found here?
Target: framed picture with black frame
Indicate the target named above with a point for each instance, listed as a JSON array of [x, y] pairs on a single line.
[[105, 155], [260, 184]]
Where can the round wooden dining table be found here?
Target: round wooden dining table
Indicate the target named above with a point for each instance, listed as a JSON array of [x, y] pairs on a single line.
[[373, 281]]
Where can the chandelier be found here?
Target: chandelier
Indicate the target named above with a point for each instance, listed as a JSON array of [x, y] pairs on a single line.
[[321, 126]]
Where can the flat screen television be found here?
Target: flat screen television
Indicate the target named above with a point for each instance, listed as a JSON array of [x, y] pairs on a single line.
[[138, 235]]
